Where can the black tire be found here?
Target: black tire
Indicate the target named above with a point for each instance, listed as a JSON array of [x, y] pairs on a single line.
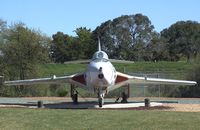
[[75, 98], [100, 102]]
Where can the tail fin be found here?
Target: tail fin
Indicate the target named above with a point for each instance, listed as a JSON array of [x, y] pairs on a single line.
[[99, 44]]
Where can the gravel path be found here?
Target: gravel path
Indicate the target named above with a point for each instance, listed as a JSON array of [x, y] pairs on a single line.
[[182, 107]]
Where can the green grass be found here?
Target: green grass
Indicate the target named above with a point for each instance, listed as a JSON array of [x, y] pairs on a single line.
[[60, 69], [162, 66], [35, 119]]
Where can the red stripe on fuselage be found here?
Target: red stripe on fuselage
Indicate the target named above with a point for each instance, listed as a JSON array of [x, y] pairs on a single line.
[[120, 79], [80, 79]]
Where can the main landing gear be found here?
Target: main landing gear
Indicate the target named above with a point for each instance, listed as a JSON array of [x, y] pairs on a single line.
[[124, 95], [124, 98]]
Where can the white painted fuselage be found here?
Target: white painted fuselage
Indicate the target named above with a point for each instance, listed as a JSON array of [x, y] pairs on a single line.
[[100, 73]]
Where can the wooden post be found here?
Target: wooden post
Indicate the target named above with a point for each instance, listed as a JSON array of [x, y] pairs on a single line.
[[40, 104], [146, 102]]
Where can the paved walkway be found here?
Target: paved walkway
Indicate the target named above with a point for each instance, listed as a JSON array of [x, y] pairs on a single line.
[[66, 103]]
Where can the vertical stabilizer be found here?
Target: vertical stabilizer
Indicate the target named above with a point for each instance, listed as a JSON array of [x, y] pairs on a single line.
[[99, 44]]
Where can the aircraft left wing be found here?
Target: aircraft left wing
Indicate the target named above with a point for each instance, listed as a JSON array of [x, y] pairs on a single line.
[[124, 78], [72, 79]]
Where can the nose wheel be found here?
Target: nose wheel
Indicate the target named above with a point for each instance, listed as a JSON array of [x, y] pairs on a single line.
[[101, 99], [100, 102]]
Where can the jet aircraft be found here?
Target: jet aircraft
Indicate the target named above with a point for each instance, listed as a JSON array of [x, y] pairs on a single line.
[[100, 77]]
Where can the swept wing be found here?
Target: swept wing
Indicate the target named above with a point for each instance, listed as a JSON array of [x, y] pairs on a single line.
[[77, 79], [146, 80]]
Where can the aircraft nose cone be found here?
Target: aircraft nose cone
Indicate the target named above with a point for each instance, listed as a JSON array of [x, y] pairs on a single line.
[[100, 76]]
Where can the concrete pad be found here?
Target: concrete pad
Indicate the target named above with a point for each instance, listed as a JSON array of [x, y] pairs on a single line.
[[94, 105], [61, 104]]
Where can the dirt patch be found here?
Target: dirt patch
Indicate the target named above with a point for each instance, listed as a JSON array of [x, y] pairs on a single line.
[[182, 107]]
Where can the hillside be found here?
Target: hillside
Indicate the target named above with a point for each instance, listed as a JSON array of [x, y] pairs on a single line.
[[178, 69]]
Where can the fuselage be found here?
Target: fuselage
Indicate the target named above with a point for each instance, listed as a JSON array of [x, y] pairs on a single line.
[[100, 73]]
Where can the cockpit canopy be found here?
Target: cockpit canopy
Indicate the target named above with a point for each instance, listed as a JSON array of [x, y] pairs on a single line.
[[100, 55]]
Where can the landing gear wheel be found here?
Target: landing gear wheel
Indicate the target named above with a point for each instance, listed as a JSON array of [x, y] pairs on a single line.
[[75, 98], [124, 98], [100, 102]]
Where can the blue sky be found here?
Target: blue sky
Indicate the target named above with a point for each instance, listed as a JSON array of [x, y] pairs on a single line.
[[51, 16]]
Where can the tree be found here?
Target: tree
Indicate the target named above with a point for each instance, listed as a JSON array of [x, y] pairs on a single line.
[[59, 47], [126, 37], [3, 28], [157, 50], [66, 48], [23, 50], [86, 43], [183, 39]]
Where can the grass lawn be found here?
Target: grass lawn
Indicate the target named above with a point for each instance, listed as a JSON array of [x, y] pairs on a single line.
[[15, 118], [60, 69]]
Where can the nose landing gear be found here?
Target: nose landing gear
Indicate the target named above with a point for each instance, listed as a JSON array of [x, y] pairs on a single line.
[[100, 100], [100, 97]]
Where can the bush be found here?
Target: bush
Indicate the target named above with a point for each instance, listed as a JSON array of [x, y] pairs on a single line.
[[61, 92]]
